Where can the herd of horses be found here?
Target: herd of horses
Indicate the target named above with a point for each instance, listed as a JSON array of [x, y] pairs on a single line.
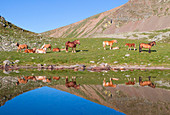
[[73, 83], [75, 42], [25, 79], [141, 45], [130, 82]]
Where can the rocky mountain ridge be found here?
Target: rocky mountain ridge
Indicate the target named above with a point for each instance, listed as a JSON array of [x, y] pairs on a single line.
[[135, 15]]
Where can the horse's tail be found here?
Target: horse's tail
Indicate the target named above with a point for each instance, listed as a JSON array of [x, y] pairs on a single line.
[[139, 48], [66, 45]]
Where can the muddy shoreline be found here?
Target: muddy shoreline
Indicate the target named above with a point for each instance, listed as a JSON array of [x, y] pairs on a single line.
[[80, 67]]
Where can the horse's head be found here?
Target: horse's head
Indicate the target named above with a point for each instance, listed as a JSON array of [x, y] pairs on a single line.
[[17, 44], [126, 44], [77, 86], [77, 42], [152, 43], [34, 49]]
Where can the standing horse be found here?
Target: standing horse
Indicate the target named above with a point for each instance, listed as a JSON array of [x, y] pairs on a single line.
[[130, 45], [21, 46], [109, 43], [72, 45], [148, 46]]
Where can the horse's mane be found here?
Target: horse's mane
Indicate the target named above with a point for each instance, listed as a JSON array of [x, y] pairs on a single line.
[[17, 44]]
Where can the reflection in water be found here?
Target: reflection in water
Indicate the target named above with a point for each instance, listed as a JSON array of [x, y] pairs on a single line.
[[130, 97], [49, 101], [72, 83]]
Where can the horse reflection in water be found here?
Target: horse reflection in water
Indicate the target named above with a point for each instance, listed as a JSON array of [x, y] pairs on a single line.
[[72, 83], [24, 80], [109, 84], [146, 83]]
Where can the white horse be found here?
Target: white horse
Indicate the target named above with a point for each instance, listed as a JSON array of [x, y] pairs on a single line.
[[41, 50]]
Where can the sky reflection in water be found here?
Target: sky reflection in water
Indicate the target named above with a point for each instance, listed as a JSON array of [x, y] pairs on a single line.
[[50, 101]]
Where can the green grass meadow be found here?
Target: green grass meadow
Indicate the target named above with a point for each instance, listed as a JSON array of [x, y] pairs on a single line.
[[91, 49]]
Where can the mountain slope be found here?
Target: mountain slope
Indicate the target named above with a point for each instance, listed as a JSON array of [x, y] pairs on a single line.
[[10, 34], [136, 15]]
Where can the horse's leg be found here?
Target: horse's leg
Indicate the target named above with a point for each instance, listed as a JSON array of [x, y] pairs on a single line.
[[75, 50], [72, 50], [134, 48], [66, 49], [104, 47], [110, 47], [149, 50], [139, 48]]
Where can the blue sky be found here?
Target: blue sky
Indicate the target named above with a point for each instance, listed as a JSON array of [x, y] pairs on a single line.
[[43, 15]]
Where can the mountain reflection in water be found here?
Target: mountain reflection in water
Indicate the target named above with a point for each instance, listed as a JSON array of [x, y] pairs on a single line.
[[49, 101]]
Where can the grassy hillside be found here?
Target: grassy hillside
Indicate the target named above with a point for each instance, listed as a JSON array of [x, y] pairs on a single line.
[[10, 34], [91, 49]]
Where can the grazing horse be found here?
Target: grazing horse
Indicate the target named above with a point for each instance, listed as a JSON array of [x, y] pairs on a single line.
[[72, 45], [72, 83], [30, 50], [130, 45], [46, 46], [21, 46], [148, 46], [109, 43]]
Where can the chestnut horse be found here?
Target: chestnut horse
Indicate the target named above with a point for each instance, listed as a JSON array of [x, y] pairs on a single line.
[[30, 50], [130, 45], [56, 49], [148, 46], [109, 43], [21, 46], [46, 46], [72, 45]]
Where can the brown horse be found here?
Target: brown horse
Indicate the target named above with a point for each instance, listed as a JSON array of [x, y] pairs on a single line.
[[30, 50], [56, 49], [46, 46], [72, 83], [72, 45], [21, 46], [148, 46], [130, 45], [109, 43]]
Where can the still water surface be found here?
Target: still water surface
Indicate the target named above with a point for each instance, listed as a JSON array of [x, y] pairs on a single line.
[[50, 101], [34, 97]]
